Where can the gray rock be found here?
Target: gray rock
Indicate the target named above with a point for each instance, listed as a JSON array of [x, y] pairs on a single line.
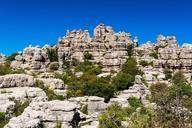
[[16, 80]]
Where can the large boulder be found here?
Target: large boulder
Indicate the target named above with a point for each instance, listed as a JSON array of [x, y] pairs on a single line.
[[52, 83], [47, 114], [16, 80]]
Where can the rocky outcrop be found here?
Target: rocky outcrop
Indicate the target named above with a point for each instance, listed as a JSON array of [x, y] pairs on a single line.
[[106, 46], [52, 83], [9, 95], [16, 80], [34, 58], [95, 105], [47, 114]]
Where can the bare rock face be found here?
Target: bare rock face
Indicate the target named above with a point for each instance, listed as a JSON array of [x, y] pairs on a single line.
[[16, 80], [46, 114], [34, 58], [52, 83], [106, 47]]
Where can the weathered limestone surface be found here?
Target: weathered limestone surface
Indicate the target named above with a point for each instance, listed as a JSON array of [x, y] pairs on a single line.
[[7, 95], [52, 83], [16, 80], [34, 58], [106, 46], [46, 113]]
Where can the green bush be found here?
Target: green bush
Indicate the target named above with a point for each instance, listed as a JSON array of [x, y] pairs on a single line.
[[112, 117], [168, 74], [88, 56], [20, 107], [3, 120], [6, 69], [144, 63], [11, 57], [54, 66], [154, 55], [52, 54], [123, 81], [130, 50], [99, 88], [130, 67], [135, 102]]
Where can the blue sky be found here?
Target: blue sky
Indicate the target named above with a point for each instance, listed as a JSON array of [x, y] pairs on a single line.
[[24, 22]]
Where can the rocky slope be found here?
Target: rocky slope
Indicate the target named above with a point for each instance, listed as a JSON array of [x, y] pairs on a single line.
[[107, 48]]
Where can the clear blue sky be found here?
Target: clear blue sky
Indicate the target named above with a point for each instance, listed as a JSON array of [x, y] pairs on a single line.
[[24, 22]]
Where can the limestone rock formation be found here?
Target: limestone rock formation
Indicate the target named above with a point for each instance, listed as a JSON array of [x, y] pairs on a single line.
[[16, 80], [34, 58], [106, 46], [46, 114]]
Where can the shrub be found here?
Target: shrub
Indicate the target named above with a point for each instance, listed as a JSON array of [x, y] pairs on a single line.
[[88, 56], [130, 50], [99, 87], [154, 55], [135, 102], [159, 92], [144, 63], [54, 66], [6, 69], [20, 107], [52, 54], [130, 67], [168, 74], [11, 57], [112, 117], [3, 120], [123, 81], [84, 109]]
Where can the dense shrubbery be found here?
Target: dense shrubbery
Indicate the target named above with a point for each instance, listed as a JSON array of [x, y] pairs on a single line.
[[174, 101], [123, 81], [173, 111], [52, 54], [89, 84]]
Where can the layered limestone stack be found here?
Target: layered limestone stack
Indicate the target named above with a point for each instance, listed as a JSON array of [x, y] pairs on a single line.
[[47, 114], [34, 58], [104, 42], [16, 80]]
